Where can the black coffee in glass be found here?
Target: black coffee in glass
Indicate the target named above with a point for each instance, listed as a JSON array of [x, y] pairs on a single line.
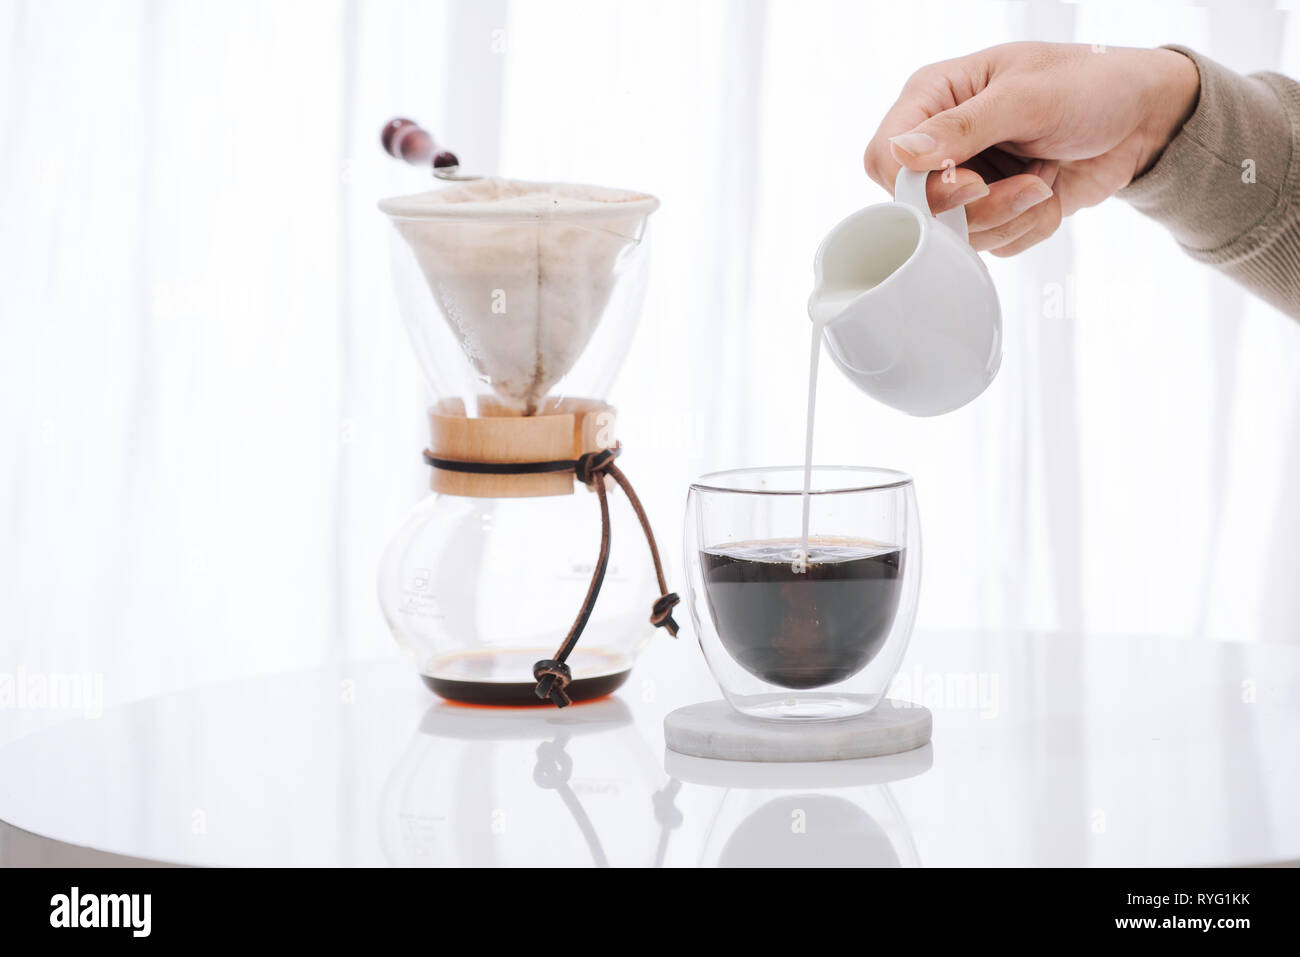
[[803, 624]]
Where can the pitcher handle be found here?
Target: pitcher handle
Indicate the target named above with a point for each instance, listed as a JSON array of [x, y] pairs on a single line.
[[909, 188]]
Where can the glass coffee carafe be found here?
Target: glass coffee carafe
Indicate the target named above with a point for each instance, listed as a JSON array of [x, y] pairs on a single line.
[[521, 300]]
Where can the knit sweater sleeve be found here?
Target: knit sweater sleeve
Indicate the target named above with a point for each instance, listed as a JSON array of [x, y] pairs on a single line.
[[1228, 185]]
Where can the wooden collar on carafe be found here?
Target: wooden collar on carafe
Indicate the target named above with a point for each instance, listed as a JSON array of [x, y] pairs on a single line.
[[569, 429]]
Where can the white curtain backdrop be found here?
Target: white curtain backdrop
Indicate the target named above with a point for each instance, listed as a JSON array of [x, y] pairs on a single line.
[[210, 421]]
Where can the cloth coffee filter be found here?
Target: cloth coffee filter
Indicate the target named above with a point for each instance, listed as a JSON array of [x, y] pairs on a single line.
[[521, 272]]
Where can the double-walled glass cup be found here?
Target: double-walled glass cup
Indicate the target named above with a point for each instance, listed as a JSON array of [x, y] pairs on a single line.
[[789, 633]]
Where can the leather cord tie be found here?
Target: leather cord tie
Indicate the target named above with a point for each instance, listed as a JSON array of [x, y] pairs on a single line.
[[553, 676], [552, 679], [661, 615], [591, 470]]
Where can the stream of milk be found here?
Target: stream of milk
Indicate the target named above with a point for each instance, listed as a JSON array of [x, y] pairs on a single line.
[[800, 563]]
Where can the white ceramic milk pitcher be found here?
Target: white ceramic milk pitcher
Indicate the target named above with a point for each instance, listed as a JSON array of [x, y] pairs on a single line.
[[910, 310]]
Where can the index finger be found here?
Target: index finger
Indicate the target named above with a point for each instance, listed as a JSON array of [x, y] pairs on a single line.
[[953, 186], [907, 113]]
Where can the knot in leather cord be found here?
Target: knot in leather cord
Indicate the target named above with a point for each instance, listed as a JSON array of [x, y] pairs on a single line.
[[592, 464], [661, 615], [553, 678]]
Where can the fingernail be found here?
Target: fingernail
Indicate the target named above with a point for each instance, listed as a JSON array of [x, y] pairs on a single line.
[[968, 194], [914, 144], [1031, 196]]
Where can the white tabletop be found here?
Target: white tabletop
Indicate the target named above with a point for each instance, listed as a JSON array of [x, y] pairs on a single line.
[[1047, 750]]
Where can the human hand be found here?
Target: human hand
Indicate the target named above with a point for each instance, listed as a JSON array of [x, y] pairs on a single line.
[[1026, 133]]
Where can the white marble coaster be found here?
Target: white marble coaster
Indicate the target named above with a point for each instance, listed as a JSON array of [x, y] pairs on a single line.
[[714, 729]]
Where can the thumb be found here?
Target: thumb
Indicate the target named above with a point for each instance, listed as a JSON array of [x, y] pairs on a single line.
[[986, 119]]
